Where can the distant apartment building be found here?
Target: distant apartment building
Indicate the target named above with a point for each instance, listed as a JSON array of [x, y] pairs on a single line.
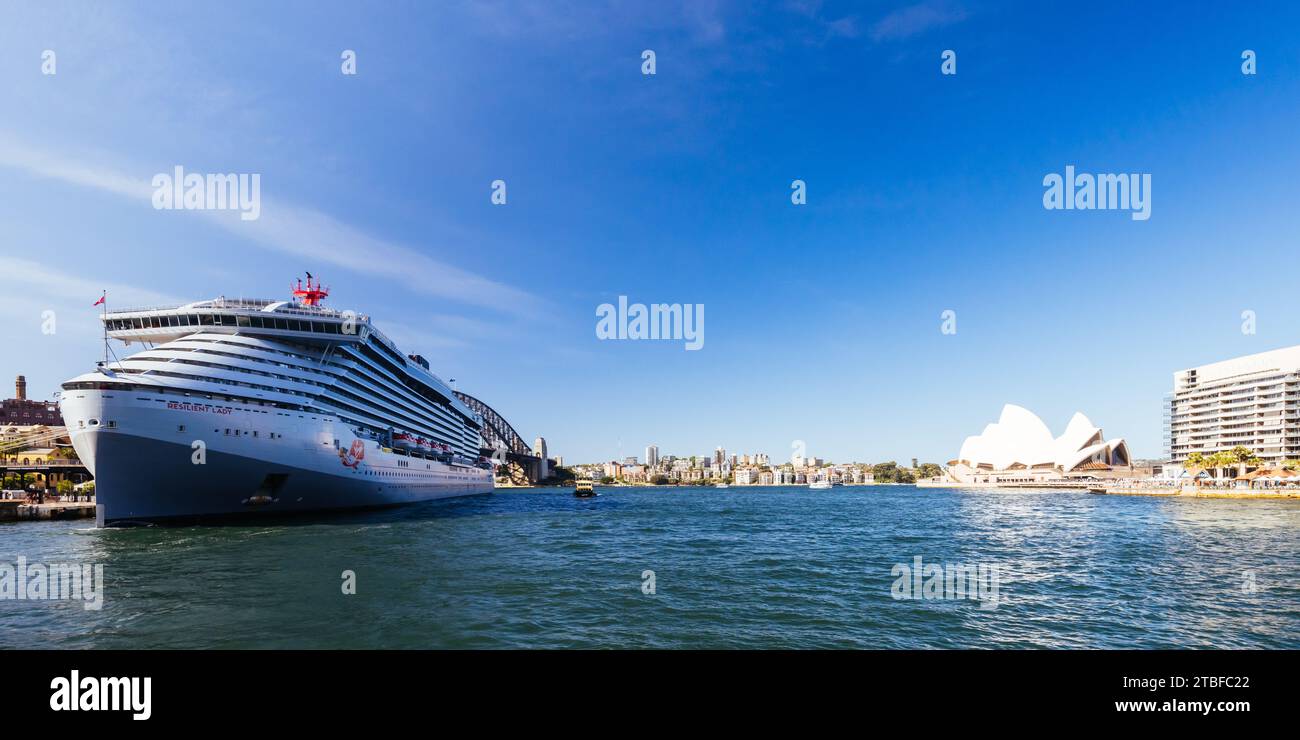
[[1251, 401], [719, 455], [652, 456], [21, 411], [746, 477]]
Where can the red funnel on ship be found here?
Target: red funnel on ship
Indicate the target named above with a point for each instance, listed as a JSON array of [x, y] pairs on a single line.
[[313, 294]]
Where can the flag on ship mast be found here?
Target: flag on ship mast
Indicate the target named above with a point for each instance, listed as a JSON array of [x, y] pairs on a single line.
[[103, 301]]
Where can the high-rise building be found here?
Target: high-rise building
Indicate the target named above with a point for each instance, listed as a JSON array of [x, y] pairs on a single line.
[[652, 456], [1251, 401], [719, 455]]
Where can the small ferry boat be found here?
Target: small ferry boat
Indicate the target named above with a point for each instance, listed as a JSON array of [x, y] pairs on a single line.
[[819, 485], [583, 489], [723, 485]]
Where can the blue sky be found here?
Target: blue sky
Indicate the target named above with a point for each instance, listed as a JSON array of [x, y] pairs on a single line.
[[822, 321]]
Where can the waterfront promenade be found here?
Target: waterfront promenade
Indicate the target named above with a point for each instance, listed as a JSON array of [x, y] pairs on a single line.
[[12, 510], [1127, 488], [1208, 492]]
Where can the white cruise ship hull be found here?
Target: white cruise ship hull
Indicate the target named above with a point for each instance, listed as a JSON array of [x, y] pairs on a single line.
[[160, 459]]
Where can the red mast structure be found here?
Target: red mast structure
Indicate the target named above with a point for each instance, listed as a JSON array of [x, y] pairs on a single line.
[[313, 294]]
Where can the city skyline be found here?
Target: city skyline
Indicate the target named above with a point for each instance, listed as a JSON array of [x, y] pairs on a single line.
[[825, 321]]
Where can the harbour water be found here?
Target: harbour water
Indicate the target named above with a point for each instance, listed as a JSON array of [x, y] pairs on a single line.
[[734, 568]]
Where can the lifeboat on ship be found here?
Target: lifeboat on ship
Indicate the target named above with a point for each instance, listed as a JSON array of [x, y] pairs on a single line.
[[404, 441]]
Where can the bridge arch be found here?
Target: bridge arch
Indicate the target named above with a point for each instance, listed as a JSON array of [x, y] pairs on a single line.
[[495, 427]]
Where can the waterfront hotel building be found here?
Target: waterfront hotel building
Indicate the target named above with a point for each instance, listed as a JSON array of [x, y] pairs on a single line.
[[1252, 401]]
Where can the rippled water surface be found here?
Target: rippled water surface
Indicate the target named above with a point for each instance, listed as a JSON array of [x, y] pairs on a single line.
[[746, 568]]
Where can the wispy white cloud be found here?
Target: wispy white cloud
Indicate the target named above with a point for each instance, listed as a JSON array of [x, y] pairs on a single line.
[[25, 158], [704, 18], [297, 231], [58, 294], [566, 20], [316, 236], [846, 27], [914, 19], [59, 286]]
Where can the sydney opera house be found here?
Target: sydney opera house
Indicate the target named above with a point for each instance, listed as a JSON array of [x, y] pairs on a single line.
[[1019, 448]]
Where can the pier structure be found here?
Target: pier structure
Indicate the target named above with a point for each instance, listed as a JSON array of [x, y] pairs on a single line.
[[12, 510]]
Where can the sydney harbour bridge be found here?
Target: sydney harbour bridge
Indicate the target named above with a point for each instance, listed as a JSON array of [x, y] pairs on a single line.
[[502, 444]]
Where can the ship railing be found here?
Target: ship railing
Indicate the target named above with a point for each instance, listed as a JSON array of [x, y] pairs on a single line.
[[143, 309], [244, 304]]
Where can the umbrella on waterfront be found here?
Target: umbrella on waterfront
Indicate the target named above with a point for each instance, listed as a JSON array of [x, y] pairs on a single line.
[[1252, 475]]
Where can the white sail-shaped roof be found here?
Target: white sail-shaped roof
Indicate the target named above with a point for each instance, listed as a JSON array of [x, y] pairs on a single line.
[[1020, 437]]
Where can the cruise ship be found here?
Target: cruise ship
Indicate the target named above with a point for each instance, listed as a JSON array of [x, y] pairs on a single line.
[[253, 407]]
